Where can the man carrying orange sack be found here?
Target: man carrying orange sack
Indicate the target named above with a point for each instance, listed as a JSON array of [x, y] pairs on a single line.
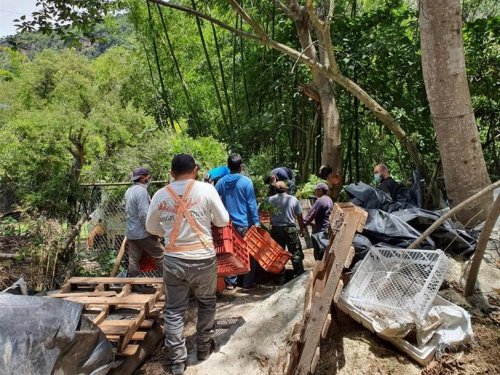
[[182, 212]]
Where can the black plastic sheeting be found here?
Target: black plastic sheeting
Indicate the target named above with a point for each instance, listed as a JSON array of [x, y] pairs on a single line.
[[446, 236], [41, 335], [368, 197], [386, 227], [398, 224]]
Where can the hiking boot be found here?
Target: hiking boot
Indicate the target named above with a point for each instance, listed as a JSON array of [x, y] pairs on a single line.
[[178, 368], [204, 354]]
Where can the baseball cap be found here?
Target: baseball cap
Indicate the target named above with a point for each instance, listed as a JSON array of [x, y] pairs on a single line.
[[321, 186], [138, 172]]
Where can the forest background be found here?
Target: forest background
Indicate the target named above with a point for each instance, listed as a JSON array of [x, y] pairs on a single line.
[[148, 82]]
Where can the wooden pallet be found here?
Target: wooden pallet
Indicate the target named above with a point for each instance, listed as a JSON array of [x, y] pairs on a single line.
[[105, 300], [323, 288]]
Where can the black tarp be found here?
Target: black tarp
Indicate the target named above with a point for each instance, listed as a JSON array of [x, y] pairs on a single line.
[[368, 197], [446, 236], [42, 335], [390, 223], [386, 227]]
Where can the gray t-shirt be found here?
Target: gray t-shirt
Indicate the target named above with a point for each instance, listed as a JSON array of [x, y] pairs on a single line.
[[288, 207], [136, 210]]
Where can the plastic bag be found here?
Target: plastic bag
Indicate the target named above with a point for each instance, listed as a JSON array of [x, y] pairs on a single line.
[[41, 335]]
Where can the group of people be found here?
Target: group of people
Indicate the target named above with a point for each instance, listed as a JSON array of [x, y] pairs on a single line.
[[182, 214]]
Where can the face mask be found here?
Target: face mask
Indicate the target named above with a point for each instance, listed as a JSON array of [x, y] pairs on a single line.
[[377, 177], [147, 183]]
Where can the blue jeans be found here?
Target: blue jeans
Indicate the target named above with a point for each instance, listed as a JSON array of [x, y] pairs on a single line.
[[249, 278]]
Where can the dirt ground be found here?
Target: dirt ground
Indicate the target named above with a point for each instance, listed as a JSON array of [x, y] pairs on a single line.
[[350, 348]]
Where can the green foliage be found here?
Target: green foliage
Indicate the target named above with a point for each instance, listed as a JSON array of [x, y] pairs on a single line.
[[483, 69], [115, 99], [306, 190]]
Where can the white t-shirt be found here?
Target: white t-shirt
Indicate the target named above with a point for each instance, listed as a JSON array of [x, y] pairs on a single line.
[[205, 207]]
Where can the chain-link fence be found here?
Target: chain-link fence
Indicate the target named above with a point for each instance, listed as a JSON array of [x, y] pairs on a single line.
[[102, 236]]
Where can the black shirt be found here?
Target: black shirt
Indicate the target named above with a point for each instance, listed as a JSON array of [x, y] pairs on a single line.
[[389, 186]]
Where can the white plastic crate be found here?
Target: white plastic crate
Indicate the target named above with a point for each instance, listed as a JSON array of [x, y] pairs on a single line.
[[401, 282]]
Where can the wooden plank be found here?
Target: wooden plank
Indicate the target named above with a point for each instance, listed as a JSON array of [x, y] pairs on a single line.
[[308, 295], [146, 324], [137, 336], [326, 326], [83, 294], [129, 351], [349, 257], [321, 306], [315, 360], [132, 299], [363, 215], [102, 315], [297, 329], [115, 330], [115, 280], [127, 365], [159, 292], [133, 328], [340, 286], [126, 290], [66, 288]]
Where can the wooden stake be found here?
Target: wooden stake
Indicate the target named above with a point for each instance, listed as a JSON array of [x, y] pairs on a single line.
[[119, 257], [481, 247]]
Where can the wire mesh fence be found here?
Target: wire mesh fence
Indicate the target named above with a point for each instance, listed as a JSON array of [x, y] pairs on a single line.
[[102, 236]]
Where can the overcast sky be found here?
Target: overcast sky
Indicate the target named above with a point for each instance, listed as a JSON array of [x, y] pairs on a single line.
[[10, 10]]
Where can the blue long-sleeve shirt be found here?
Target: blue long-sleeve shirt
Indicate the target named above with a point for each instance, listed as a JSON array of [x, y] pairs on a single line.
[[238, 196]]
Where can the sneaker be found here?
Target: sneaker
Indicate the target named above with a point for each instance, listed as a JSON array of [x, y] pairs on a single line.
[[178, 368], [250, 286], [204, 354], [229, 286]]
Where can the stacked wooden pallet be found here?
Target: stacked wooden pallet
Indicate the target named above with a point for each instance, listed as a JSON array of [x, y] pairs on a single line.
[[125, 317], [323, 288]]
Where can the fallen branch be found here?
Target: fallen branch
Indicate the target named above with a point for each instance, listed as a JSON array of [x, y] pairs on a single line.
[[75, 230], [9, 256], [451, 212], [481, 247]]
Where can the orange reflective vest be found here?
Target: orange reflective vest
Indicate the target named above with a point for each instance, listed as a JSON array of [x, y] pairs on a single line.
[[181, 213]]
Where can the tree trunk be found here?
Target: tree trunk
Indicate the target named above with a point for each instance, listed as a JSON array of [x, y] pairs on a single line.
[[443, 65], [331, 152], [328, 68]]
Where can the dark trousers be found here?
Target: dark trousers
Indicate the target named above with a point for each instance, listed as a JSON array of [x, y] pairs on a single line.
[[247, 279], [288, 238], [148, 245], [182, 276]]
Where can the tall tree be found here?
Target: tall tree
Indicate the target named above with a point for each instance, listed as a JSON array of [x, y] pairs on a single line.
[[443, 65], [317, 14]]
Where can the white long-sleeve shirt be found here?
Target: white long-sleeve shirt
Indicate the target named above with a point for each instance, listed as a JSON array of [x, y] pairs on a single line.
[[205, 207]]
